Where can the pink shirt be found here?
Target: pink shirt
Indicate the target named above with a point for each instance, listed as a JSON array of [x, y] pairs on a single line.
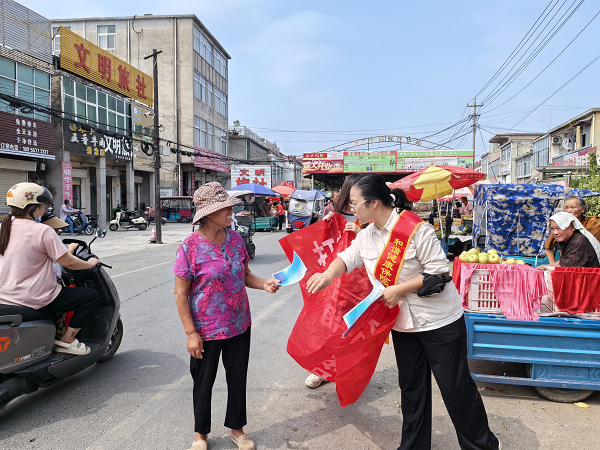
[[26, 276], [217, 296]]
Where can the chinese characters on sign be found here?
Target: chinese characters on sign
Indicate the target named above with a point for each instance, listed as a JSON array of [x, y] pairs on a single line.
[[25, 136], [89, 61], [84, 139], [210, 160], [142, 132], [67, 181], [251, 174]]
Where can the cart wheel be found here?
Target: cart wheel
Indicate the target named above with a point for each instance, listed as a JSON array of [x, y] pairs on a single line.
[[560, 395], [252, 251]]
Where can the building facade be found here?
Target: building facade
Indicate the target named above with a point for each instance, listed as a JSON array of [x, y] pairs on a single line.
[[26, 132], [510, 158], [192, 84], [106, 106]]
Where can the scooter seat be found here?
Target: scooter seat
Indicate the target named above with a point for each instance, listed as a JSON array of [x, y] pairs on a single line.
[[26, 313]]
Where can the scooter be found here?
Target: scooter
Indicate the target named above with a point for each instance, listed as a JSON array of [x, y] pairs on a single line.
[[128, 219], [150, 215], [27, 335], [78, 225]]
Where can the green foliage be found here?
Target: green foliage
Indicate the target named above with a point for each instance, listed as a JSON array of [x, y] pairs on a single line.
[[592, 183]]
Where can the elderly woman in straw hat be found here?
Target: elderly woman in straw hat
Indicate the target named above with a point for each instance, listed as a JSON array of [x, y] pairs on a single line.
[[211, 276]]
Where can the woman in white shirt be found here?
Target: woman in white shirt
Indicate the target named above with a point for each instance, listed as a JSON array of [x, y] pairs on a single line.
[[429, 333]]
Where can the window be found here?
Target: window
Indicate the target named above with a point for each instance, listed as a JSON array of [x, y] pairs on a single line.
[[88, 105], [56, 34], [199, 86], [210, 101], [202, 46], [524, 166], [220, 141], [200, 132], [26, 83], [220, 102], [541, 152], [494, 168], [585, 135], [220, 64], [211, 137], [505, 153], [107, 37]]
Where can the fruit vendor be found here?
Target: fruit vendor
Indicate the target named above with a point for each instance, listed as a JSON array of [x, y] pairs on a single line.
[[577, 246], [579, 208], [466, 208]]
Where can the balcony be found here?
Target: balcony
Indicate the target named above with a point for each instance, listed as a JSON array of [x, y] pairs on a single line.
[[249, 134]]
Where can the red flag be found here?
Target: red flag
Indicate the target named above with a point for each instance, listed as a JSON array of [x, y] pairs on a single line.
[[316, 341]]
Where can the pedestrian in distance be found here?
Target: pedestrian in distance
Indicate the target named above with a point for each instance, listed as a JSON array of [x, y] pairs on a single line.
[[280, 214], [211, 275], [403, 253]]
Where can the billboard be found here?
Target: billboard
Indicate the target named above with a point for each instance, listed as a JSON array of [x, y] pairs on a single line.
[[244, 174], [384, 161], [89, 61], [24, 136], [205, 159]]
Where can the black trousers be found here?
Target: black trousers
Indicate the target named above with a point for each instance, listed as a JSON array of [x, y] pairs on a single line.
[[443, 351], [83, 302], [236, 352], [281, 219]]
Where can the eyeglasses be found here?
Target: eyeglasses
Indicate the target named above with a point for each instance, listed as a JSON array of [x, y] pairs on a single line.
[[354, 205]]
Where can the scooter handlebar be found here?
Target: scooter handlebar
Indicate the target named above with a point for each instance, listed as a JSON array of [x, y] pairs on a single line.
[[104, 265]]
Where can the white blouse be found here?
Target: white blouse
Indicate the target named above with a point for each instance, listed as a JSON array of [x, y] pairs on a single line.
[[423, 255]]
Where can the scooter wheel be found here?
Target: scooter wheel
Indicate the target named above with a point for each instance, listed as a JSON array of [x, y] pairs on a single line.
[[89, 230], [113, 227], [142, 227], [163, 220], [252, 251], [115, 342]]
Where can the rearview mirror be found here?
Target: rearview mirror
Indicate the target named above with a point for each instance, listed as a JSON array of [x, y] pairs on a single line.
[[100, 232]]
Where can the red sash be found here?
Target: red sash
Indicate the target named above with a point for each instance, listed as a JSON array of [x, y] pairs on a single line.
[[390, 261]]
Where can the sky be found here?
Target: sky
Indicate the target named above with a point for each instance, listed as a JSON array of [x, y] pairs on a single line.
[[310, 75]]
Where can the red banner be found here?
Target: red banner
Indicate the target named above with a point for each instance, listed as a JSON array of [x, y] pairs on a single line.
[[67, 180], [316, 341]]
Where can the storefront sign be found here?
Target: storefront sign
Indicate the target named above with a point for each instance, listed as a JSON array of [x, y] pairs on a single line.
[[80, 138], [251, 174], [26, 137], [384, 161], [210, 160], [577, 158], [67, 181], [89, 61], [142, 132]]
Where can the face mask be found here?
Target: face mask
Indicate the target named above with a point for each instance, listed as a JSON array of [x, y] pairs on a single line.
[[38, 219]]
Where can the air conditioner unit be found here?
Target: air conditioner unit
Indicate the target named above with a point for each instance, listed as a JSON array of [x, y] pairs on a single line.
[[555, 140]]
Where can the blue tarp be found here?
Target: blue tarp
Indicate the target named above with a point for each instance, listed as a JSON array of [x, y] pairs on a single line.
[[514, 217]]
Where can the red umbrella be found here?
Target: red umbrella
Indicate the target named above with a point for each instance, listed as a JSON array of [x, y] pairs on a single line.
[[284, 189], [436, 181]]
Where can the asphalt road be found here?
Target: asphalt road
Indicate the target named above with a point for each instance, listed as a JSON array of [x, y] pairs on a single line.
[[141, 399]]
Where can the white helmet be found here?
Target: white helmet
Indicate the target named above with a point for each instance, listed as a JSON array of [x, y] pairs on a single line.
[[23, 194]]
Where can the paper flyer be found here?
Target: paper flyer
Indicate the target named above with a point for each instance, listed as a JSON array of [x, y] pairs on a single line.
[[293, 273], [354, 314]]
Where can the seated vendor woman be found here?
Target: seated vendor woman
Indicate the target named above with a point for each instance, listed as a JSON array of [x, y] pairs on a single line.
[[577, 246]]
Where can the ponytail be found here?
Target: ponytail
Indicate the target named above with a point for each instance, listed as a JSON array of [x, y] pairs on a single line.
[[373, 187], [7, 223]]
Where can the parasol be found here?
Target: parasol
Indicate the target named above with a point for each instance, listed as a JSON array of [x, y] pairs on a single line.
[[284, 189]]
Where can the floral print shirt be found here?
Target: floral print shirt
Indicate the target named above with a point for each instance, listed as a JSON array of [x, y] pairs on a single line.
[[217, 296]]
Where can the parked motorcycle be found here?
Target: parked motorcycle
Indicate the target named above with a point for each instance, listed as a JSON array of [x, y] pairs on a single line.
[[79, 226], [27, 335], [128, 219], [150, 215]]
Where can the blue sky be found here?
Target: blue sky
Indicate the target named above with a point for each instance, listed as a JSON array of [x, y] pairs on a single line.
[[332, 71]]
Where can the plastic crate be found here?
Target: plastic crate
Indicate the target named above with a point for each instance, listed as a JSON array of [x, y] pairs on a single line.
[[481, 293]]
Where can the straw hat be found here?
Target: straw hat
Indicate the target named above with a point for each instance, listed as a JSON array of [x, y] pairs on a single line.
[[210, 198], [53, 222]]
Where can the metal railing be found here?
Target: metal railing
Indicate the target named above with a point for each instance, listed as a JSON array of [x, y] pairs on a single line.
[[248, 133]]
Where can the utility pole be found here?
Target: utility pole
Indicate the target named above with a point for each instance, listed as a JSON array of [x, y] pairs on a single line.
[[156, 144], [474, 106]]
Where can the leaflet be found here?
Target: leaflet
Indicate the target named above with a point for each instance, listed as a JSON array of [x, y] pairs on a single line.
[[293, 273], [352, 316]]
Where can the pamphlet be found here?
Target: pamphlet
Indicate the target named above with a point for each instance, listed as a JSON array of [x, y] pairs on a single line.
[[354, 314], [293, 273]]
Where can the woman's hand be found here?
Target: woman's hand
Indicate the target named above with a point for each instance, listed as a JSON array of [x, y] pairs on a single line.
[[329, 216], [351, 226], [318, 282], [195, 345], [390, 296], [271, 285]]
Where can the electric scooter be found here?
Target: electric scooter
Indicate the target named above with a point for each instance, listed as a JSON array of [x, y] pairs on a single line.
[[79, 226], [27, 361], [128, 219]]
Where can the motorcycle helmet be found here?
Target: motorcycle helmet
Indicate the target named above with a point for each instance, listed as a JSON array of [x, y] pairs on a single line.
[[24, 194]]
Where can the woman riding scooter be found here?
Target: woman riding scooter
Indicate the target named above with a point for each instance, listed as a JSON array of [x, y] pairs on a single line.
[[27, 249]]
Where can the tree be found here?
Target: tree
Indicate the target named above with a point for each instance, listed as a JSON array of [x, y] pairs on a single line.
[[592, 183]]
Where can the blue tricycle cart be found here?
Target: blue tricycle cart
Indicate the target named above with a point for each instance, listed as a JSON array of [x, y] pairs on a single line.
[[562, 354]]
